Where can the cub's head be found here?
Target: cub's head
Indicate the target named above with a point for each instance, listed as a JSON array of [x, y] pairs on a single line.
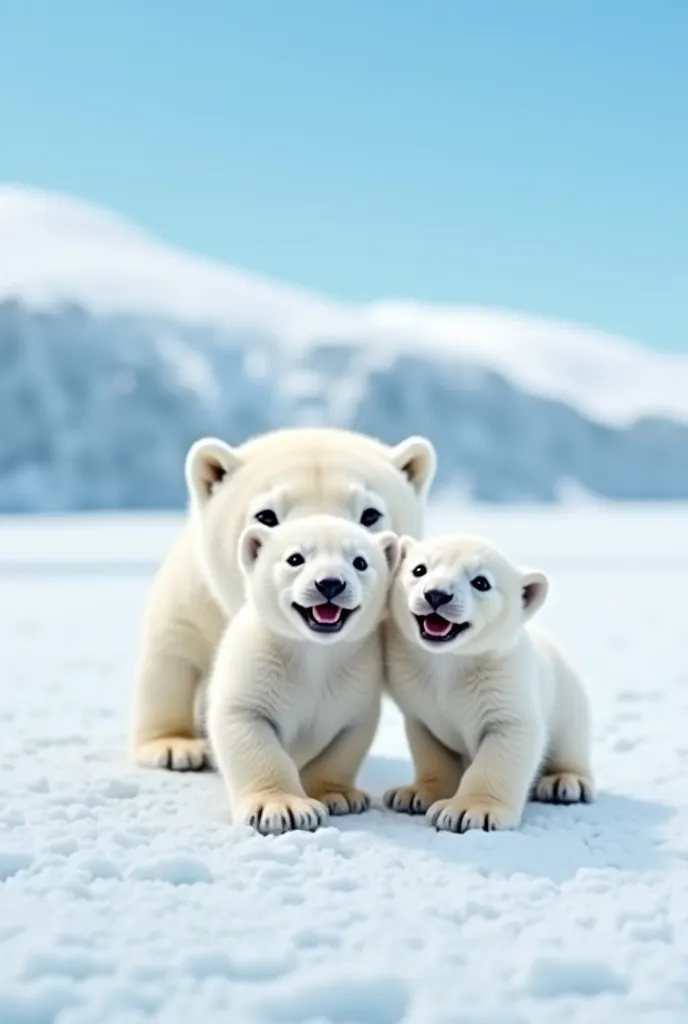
[[459, 594], [288, 474], [318, 578]]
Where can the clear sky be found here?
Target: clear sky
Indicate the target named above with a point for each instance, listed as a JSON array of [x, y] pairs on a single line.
[[530, 154]]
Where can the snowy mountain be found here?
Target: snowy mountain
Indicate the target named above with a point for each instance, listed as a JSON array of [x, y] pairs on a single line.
[[116, 351]]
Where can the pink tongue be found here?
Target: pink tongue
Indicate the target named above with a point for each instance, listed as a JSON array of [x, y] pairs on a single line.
[[326, 613], [435, 625]]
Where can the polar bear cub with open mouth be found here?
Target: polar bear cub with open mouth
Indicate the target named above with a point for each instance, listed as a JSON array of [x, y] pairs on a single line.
[[493, 713], [295, 691]]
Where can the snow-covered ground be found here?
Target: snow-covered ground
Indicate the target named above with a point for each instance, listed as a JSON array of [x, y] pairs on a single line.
[[126, 896]]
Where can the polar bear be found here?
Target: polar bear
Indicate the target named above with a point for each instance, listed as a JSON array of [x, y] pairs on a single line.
[[295, 691], [493, 713], [271, 479]]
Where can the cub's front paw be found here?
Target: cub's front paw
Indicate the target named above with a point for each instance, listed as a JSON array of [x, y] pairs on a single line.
[[174, 753], [565, 788], [274, 814], [414, 799], [343, 799], [462, 815]]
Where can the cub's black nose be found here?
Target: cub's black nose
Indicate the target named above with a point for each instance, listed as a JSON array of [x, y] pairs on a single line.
[[436, 598], [330, 587]]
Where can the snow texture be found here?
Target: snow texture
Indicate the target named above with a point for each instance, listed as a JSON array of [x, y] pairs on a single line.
[[126, 895]]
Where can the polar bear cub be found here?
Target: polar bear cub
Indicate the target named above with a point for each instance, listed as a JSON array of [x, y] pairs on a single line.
[[295, 691], [271, 479], [492, 710]]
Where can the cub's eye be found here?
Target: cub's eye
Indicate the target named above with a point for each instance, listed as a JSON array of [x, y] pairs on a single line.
[[295, 559], [370, 516], [420, 570], [480, 583], [360, 564], [267, 517]]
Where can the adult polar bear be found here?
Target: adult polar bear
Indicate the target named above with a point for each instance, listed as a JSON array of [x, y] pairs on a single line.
[[270, 479]]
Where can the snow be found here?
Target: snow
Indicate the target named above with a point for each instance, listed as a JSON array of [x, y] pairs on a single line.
[[606, 377], [127, 896], [56, 249]]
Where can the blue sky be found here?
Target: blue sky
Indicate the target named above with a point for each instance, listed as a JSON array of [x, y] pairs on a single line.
[[521, 154]]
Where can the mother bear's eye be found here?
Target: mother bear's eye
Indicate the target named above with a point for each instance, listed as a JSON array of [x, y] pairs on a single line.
[[295, 559], [370, 516], [267, 517]]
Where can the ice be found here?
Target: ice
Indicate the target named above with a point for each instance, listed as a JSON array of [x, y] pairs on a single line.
[[126, 895]]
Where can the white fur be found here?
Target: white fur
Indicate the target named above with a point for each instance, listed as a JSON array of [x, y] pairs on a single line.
[[494, 714], [292, 712], [200, 587]]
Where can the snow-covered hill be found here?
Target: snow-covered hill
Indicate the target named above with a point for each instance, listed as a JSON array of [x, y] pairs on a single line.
[[116, 351]]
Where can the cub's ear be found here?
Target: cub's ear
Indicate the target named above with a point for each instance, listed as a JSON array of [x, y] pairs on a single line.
[[534, 590], [250, 543], [207, 463], [389, 542], [417, 460], [405, 545]]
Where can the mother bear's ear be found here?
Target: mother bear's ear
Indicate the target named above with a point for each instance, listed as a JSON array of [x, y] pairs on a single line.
[[417, 460], [250, 543], [208, 462]]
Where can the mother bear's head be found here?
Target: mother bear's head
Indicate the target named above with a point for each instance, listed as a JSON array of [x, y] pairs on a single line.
[[296, 472]]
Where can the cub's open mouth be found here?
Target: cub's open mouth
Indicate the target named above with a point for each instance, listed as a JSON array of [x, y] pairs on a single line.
[[439, 630], [324, 618]]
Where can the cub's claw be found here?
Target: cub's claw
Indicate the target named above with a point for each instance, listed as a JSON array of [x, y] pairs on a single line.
[[274, 815], [175, 754], [564, 788], [414, 799], [459, 816]]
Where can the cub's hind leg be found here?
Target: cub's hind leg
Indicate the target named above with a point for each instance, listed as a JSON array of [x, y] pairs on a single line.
[[331, 776], [567, 776], [438, 772]]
